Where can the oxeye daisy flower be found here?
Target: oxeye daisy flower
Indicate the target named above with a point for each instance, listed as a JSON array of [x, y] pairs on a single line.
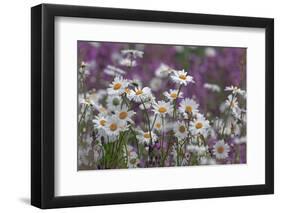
[[241, 140], [92, 97], [83, 156], [210, 52], [188, 106], [128, 93], [124, 114], [199, 125], [104, 137], [113, 71], [199, 150], [132, 157], [163, 71], [191, 148], [113, 102], [172, 94], [136, 82], [212, 87], [156, 84], [158, 124], [207, 161], [84, 101], [114, 126], [132, 53], [148, 102], [100, 108], [162, 108], [181, 77], [139, 94], [100, 121], [133, 161], [129, 57], [232, 102], [235, 90], [144, 137], [127, 62], [228, 127], [221, 150], [118, 86], [84, 68], [180, 130]]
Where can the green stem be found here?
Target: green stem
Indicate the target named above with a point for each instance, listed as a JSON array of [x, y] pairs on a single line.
[[205, 143], [167, 151], [148, 120], [154, 120], [163, 135], [83, 81], [238, 154], [136, 140], [83, 114], [175, 102], [178, 157], [227, 114], [118, 147], [125, 100]]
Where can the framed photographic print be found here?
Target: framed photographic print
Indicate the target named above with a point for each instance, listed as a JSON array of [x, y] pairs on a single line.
[[140, 106]]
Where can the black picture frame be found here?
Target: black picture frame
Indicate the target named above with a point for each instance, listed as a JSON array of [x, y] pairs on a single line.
[[43, 105]]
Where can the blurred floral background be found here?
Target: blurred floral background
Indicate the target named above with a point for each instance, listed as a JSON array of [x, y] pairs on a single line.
[[152, 105]]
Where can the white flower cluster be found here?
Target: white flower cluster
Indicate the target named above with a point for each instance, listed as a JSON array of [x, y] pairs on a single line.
[[129, 57], [173, 121]]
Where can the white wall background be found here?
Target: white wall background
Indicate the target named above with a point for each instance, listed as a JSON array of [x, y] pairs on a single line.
[[15, 105]]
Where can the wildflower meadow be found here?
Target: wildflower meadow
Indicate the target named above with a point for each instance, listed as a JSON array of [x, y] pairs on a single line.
[[155, 105]]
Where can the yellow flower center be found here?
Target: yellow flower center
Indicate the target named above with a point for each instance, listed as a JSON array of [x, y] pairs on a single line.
[[188, 109], [117, 86], [146, 135], [123, 115], [199, 125], [158, 125], [182, 77], [113, 127], [220, 149], [182, 129], [139, 92], [173, 95], [102, 122], [162, 109]]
